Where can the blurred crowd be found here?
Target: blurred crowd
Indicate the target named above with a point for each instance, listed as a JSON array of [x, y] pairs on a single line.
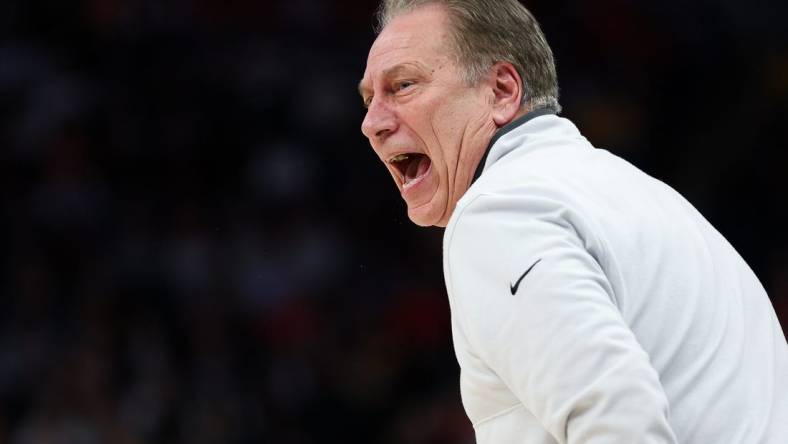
[[200, 247]]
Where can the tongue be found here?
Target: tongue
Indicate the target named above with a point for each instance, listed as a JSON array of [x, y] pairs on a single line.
[[417, 167]]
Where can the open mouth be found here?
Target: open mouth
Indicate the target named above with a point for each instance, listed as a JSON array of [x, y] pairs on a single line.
[[412, 167]]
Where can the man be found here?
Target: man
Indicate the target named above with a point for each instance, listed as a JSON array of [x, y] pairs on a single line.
[[590, 302]]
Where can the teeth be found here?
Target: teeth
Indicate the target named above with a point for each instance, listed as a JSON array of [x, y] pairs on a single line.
[[398, 158]]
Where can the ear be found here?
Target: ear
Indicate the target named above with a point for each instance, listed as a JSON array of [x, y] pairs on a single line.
[[507, 92]]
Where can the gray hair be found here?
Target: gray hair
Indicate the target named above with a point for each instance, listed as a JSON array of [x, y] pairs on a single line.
[[489, 31]]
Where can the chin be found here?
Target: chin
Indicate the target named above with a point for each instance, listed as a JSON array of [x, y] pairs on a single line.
[[427, 216], [420, 221]]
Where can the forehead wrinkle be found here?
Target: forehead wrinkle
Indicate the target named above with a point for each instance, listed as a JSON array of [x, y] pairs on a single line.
[[403, 42], [400, 67], [400, 43]]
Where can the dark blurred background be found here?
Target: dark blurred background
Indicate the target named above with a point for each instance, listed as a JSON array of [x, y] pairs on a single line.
[[198, 245]]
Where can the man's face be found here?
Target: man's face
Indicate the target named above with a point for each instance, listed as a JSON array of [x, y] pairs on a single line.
[[424, 122]]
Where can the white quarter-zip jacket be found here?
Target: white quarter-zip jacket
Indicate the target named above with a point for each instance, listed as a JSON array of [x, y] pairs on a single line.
[[592, 304]]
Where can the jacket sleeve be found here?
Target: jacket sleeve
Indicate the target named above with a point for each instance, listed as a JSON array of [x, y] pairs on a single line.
[[559, 341]]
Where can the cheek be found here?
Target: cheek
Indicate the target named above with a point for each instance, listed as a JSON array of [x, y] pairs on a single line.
[[449, 124], [434, 124]]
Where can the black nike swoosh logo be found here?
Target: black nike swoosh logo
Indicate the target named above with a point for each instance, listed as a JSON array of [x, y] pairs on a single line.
[[517, 284]]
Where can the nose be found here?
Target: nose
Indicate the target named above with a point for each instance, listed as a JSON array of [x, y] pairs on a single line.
[[379, 121]]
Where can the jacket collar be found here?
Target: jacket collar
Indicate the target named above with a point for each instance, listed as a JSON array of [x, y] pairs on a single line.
[[506, 129]]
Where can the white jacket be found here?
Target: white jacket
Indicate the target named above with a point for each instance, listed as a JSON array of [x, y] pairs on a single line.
[[636, 322]]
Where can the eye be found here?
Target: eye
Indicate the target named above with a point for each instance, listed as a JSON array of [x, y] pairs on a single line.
[[404, 84], [367, 101]]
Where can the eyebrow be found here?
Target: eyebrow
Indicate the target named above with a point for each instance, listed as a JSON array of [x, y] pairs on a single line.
[[390, 72], [362, 88]]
